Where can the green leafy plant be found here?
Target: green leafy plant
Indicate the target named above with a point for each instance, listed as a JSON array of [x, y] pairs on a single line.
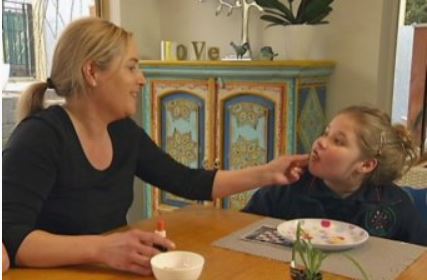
[[312, 258], [416, 11], [309, 12]]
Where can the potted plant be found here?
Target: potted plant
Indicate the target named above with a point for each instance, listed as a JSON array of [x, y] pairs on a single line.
[[309, 12], [311, 259], [298, 21]]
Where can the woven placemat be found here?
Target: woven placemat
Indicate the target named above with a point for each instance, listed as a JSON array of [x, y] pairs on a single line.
[[381, 258]]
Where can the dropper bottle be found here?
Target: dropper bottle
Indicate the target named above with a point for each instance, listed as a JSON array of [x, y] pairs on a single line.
[[160, 230]]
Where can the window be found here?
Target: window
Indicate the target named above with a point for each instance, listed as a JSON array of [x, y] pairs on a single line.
[[29, 34], [18, 41], [30, 31]]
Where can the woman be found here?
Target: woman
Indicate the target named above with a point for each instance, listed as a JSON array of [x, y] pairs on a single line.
[[68, 170], [350, 178]]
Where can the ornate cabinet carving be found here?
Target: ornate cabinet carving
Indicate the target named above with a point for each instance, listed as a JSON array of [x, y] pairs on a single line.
[[182, 119], [231, 115]]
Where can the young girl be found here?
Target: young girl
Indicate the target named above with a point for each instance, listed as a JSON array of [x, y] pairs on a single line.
[[350, 178]]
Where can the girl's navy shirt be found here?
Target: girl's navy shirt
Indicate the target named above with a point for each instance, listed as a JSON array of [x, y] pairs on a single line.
[[384, 211]]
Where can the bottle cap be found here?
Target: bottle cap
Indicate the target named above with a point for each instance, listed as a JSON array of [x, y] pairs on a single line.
[[161, 225]]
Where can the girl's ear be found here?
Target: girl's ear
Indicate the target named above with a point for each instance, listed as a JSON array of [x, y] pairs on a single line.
[[89, 73], [368, 165]]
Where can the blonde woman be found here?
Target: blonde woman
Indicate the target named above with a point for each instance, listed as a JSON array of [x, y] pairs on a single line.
[[68, 170]]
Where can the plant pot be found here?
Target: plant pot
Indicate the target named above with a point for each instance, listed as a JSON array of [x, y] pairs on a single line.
[[300, 274], [299, 41]]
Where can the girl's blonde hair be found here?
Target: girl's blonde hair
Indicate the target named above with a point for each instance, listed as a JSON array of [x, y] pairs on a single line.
[[392, 145], [86, 39]]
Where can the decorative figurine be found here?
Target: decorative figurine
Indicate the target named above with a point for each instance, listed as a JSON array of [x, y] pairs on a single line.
[[240, 49], [245, 6], [267, 53]]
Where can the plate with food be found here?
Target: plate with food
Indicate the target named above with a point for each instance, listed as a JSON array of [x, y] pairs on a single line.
[[325, 234]]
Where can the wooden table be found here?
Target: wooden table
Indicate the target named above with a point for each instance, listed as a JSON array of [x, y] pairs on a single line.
[[194, 229]]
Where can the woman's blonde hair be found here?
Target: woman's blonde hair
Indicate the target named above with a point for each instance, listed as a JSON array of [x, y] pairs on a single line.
[[86, 39], [392, 145]]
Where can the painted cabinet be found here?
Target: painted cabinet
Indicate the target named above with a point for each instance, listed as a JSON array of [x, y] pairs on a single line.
[[230, 115]]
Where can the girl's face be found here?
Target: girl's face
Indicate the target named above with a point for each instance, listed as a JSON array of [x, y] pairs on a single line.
[[336, 156]]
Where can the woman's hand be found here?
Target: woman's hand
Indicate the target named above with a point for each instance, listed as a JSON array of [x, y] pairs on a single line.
[[132, 250], [281, 171], [5, 260], [286, 169]]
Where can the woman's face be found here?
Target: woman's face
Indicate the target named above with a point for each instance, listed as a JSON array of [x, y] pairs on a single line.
[[336, 156], [119, 85]]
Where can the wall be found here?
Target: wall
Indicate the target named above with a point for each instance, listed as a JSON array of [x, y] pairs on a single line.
[[195, 21], [360, 38], [143, 19]]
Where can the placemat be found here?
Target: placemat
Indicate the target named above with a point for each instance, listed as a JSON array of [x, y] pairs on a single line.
[[380, 258]]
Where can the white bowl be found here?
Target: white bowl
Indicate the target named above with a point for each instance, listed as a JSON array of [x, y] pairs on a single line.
[[177, 265]]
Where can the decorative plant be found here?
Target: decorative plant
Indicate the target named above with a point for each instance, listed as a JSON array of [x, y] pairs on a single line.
[[311, 258], [309, 12]]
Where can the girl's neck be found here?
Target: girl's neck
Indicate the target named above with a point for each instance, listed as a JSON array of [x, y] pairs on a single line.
[[343, 189]]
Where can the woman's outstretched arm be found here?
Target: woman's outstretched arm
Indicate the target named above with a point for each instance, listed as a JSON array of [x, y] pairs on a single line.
[[283, 170]]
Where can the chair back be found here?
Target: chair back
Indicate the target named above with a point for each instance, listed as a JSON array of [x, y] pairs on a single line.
[[419, 197]]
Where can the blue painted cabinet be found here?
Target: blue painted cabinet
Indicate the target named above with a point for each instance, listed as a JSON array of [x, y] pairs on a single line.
[[231, 115]]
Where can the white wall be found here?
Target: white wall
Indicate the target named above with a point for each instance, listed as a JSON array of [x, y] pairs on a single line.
[[190, 20], [360, 38], [142, 17]]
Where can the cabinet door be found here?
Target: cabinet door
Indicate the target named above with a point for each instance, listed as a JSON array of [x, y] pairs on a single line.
[[251, 121], [182, 125], [311, 112]]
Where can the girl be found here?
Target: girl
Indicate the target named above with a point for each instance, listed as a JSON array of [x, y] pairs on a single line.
[[350, 178]]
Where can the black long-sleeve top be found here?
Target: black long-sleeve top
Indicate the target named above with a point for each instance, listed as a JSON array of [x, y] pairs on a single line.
[[49, 184], [384, 211]]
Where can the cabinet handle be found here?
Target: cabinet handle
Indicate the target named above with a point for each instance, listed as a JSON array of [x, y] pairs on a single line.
[[217, 163]]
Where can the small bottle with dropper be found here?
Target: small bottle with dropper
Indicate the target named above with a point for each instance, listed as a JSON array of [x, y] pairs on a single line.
[[160, 230]]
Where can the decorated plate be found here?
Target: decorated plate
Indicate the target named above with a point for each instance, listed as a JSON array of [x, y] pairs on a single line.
[[325, 234]]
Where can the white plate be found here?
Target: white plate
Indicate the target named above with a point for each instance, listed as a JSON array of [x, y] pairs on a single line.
[[325, 234]]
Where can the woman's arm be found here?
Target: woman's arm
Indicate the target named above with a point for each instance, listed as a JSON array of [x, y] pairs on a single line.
[[5, 260], [129, 251], [160, 169], [283, 170]]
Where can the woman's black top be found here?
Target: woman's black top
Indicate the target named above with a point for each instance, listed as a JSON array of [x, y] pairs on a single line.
[[49, 184]]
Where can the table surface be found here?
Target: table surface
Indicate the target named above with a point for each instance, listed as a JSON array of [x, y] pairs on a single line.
[[194, 229]]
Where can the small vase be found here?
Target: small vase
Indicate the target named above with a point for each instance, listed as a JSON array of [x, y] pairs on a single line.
[[300, 274]]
